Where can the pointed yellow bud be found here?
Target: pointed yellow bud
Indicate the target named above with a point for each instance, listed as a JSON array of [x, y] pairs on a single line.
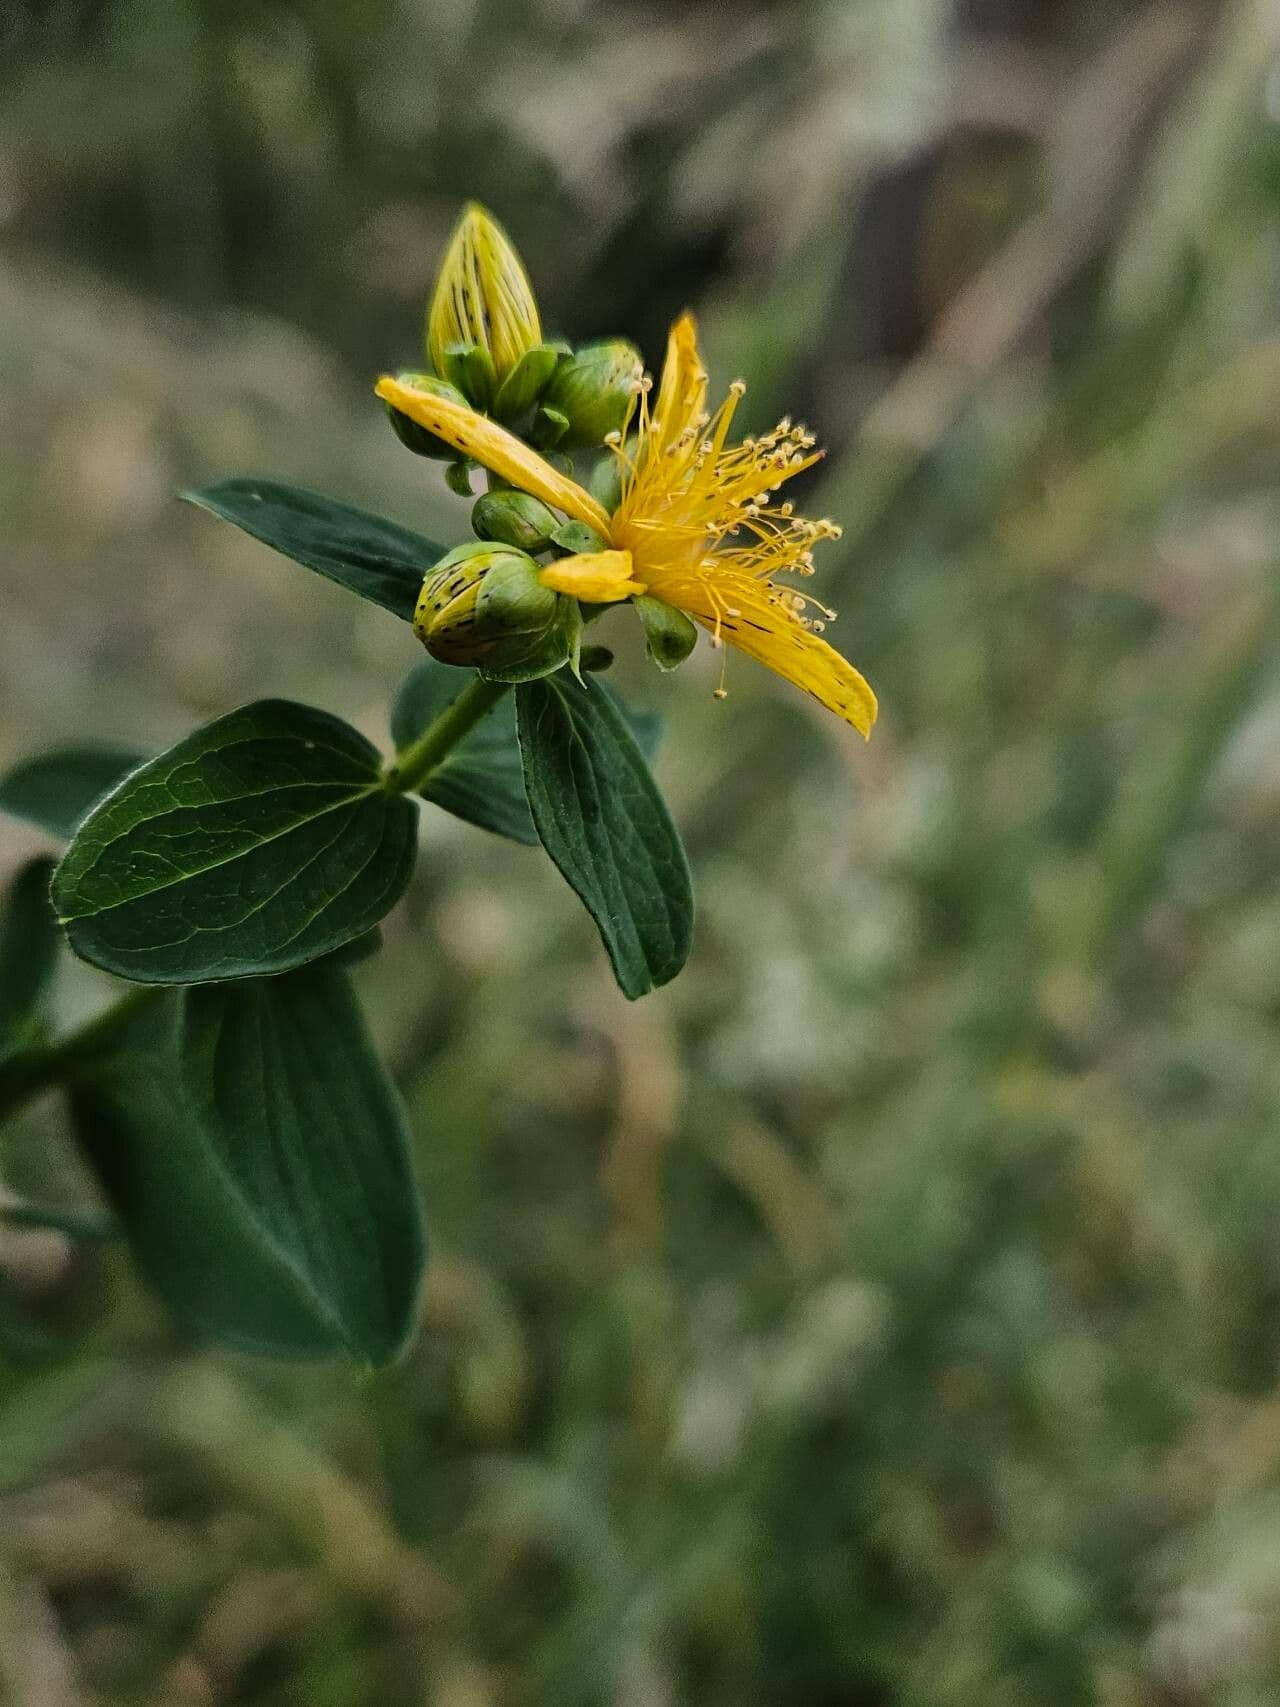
[[483, 297]]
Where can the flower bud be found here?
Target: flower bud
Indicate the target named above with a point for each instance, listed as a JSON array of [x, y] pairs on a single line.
[[668, 633], [484, 605], [594, 390], [410, 434], [482, 297], [514, 518]]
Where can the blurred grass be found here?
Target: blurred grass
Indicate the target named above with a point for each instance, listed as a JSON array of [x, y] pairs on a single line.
[[886, 1312]]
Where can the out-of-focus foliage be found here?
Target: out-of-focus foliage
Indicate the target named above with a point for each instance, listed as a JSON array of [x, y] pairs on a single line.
[[886, 1313]]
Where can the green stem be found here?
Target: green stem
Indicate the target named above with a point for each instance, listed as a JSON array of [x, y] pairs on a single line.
[[40, 1069], [411, 767]]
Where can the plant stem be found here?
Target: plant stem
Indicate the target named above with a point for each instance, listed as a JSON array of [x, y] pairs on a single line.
[[29, 1074], [420, 757]]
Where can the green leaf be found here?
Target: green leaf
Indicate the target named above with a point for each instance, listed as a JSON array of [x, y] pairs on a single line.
[[669, 635], [370, 555], [574, 537], [481, 780], [256, 1154], [28, 954], [54, 790], [262, 841], [599, 815]]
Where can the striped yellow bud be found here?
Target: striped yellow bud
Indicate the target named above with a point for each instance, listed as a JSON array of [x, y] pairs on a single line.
[[484, 605], [483, 297]]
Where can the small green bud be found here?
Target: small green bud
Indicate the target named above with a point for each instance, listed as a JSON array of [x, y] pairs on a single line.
[[668, 632], [606, 482], [525, 383], [484, 605], [514, 518], [457, 477], [410, 434], [595, 389]]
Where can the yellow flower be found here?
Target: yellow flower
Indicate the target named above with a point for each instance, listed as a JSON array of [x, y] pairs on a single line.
[[697, 524], [482, 296]]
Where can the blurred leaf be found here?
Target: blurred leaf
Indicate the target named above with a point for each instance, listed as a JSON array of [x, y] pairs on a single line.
[[369, 555], [260, 842], [28, 954], [55, 790], [90, 1225], [256, 1153], [22, 1339], [600, 816]]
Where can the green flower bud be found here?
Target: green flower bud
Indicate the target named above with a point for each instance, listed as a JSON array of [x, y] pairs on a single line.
[[594, 389], [605, 484], [514, 518], [410, 434], [669, 635], [523, 386], [483, 605]]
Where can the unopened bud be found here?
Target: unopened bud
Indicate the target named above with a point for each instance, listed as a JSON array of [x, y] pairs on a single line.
[[488, 608], [482, 297], [514, 518], [595, 390], [410, 434]]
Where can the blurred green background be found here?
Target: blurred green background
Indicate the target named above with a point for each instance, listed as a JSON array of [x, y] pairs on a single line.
[[885, 1314]]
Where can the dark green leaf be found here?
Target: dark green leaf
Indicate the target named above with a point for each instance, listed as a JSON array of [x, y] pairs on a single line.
[[370, 555], [481, 780], [56, 789], [256, 1154], [599, 815], [28, 953], [260, 842]]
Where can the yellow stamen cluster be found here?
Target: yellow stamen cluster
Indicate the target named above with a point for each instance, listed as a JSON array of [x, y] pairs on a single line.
[[697, 525], [694, 506]]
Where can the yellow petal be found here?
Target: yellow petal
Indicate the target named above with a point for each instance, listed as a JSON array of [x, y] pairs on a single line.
[[493, 447], [750, 614], [682, 391], [599, 577]]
